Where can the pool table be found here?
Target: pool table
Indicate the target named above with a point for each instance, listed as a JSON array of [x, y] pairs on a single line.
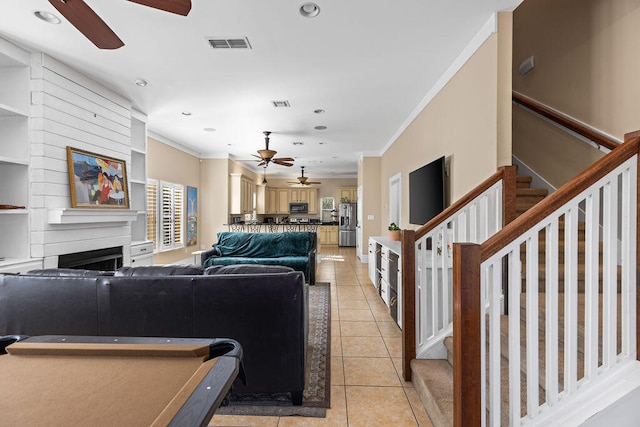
[[109, 381]]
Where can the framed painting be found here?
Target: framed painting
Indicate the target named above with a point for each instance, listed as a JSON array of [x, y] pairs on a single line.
[[192, 216], [97, 181]]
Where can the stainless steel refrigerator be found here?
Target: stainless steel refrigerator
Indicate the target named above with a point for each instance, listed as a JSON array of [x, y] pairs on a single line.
[[348, 223]]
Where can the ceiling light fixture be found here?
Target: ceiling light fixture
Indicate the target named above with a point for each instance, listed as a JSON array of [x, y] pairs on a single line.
[[321, 127], [47, 17], [141, 82], [186, 113], [309, 10], [319, 111]]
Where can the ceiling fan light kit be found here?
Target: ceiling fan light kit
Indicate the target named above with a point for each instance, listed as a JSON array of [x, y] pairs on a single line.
[[266, 156], [81, 16]]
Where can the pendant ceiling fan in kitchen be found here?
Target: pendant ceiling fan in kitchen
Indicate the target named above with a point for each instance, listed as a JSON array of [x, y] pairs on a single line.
[[266, 156], [81, 16], [303, 180]]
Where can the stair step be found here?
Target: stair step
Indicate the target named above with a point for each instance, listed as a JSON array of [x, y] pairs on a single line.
[[523, 181], [433, 381]]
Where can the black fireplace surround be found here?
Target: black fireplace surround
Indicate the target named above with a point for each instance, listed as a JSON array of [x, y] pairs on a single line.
[[107, 259]]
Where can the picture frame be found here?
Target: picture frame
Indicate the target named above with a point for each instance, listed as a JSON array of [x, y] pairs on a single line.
[[97, 181], [192, 216]]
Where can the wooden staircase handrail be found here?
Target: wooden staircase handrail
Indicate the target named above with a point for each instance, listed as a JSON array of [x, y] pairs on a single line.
[[466, 283], [554, 201], [565, 121], [505, 173], [408, 240]]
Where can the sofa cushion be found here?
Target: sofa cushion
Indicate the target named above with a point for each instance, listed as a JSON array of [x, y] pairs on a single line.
[[265, 245], [246, 269], [68, 272], [159, 271]]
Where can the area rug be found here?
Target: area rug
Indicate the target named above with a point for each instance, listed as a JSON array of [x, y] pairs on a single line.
[[316, 395]]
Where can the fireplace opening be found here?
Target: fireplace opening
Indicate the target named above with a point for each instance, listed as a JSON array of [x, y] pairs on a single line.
[[107, 259]]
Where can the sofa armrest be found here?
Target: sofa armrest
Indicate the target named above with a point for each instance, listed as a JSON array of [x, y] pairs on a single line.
[[206, 255]]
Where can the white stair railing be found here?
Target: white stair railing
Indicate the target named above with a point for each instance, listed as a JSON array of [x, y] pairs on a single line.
[[589, 319], [478, 220]]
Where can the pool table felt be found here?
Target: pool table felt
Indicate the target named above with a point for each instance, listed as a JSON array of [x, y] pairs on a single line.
[[119, 384]]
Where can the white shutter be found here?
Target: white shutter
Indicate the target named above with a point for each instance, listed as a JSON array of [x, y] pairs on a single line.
[[171, 216], [152, 212]]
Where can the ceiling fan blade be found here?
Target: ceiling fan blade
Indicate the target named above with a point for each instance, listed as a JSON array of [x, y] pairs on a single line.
[[282, 163], [179, 7], [312, 182], [81, 16], [262, 163], [285, 159]]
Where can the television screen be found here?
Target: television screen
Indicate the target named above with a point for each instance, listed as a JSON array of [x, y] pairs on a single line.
[[427, 192]]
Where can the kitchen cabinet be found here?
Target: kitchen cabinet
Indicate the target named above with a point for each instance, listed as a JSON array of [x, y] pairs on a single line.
[[347, 194], [282, 207], [313, 200], [328, 234], [299, 195], [385, 272], [241, 195]]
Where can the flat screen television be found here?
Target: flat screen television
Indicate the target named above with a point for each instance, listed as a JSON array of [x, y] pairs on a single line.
[[427, 192]]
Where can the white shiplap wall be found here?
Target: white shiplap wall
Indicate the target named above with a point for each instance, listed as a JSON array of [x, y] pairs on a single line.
[[70, 109]]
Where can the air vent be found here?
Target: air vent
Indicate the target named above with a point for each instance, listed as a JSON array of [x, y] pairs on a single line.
[[298, 143], [279, 104], [222, 43]]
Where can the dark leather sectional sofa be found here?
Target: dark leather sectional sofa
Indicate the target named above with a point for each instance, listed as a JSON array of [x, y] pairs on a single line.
[[264, 308]]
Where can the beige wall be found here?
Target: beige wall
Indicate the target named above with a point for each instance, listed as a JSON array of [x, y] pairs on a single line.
[[369, 179], [586, 66], [214, 208], [166, 163], [459, 123]]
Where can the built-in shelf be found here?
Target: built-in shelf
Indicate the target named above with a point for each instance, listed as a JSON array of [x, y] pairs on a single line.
[[88, 216]]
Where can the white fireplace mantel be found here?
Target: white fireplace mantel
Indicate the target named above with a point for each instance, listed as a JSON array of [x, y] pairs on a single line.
[[90, 216]]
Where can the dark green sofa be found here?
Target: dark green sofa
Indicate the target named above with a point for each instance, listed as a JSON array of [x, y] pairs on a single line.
[[296, 249]]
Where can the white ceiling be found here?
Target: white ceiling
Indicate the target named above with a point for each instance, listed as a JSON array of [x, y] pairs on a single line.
[[368, 64]]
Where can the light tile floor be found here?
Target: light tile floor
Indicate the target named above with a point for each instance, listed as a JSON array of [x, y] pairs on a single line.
[[367, 388]]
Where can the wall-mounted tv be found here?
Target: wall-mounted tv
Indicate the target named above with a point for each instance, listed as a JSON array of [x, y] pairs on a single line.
[[427, 192]]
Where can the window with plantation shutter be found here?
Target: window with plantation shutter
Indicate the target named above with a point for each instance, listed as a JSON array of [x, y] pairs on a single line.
[[165, 225], [152, 212]]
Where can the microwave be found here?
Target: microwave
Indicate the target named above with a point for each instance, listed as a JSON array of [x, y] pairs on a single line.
[[298, 208]]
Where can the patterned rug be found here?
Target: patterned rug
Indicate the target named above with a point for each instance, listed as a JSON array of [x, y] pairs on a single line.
[[316, 395]]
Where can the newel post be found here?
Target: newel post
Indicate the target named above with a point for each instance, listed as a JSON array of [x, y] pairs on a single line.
[[467, 384], [408, 249]]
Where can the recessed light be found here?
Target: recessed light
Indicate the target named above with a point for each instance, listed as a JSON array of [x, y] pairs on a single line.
[[47, 17], [209, 129], [309, 10], [321, 143], [319, 111], [186, 113], [141, 82], [320, 127], [298, 143]]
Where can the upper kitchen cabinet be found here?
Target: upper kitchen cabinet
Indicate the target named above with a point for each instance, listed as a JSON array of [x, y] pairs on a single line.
[[242, 189], [347, 194]]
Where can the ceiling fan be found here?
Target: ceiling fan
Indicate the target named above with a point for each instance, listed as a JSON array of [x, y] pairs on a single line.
[[302, 180], [81, 16], [266, 155]]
